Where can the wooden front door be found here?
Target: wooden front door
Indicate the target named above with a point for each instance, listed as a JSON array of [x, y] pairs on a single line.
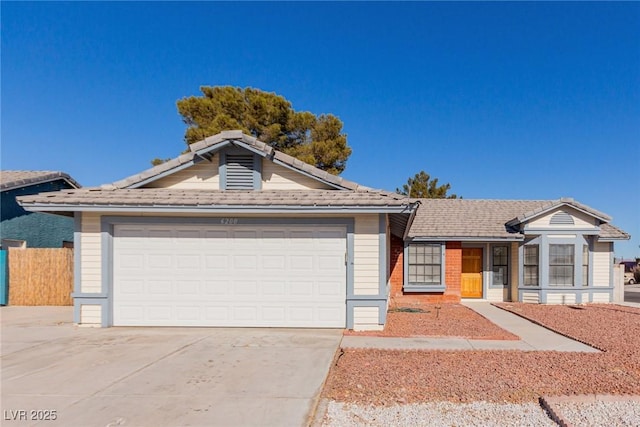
[[471, 273]]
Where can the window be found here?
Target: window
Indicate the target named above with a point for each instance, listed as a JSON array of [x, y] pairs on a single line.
[[561, 265], [500, 265], [425, 264], [531, 265], [585, 265]]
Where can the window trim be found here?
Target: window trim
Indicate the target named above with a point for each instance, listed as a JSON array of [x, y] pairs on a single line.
[[424, 287]]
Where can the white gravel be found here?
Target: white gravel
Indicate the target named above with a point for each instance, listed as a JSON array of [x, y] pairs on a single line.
[[601, 413], [438, 414]]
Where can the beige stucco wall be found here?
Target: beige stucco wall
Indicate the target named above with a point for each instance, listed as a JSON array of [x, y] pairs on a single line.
[[205, 176], [276, 177], [201, 176], [91, 315], [90, 254], [366, 319], [366, 255]]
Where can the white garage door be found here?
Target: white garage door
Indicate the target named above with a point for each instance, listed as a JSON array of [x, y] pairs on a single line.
[[287, 276]]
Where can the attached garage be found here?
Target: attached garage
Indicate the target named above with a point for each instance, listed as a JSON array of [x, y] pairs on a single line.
[[229, 275], [231, 234]]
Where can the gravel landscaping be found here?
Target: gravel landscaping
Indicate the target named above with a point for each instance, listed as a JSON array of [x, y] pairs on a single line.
[[394, 377], [439, 320], [601, 413], [438, 414]]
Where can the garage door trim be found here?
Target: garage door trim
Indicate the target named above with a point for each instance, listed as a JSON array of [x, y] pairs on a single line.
[[109, 222]]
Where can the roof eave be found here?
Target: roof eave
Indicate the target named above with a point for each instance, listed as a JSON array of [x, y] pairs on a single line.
[[63, 177], [514, 238], [226, 209]]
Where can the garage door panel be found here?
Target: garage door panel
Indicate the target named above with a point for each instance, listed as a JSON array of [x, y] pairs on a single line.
[[301, 314], [273, 262], [157, 313], [331, 262], [216, 288], [216, 314], [330, 288], [274, 288], [229, 276], [244, 287], [159, 288], [274, 314], [188, 313], [245, 262], [187, 262], [301, 263], [217, 262], [302, 289]]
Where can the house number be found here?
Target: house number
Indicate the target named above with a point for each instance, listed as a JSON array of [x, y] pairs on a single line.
[[229, 221]]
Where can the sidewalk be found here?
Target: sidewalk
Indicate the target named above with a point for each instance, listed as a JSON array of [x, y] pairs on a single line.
[[532, 337]]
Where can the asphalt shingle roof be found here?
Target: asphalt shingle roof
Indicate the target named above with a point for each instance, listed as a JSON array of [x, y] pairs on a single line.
[[11, 179], [467, 218]]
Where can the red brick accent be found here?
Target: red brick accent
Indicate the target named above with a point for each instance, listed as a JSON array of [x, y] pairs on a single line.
[[453, 270]]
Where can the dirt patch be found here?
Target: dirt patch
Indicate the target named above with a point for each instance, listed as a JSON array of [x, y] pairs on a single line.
[[435, 320], [388, 377]]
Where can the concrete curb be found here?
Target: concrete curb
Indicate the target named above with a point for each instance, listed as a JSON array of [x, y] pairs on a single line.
[[320, 412], [549, 403], [319, 405]]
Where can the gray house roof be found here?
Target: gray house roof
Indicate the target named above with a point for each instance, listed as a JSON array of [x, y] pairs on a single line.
[[209, 145], [10, 180], [466, 219], [141, 198], [128, 194]]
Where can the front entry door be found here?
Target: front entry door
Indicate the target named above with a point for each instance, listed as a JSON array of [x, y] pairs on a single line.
[[471, 273]]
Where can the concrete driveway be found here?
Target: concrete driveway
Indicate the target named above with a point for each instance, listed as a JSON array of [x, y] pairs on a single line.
[[157, 376]]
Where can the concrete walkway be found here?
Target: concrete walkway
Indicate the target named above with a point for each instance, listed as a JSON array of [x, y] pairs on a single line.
[[532, 336]]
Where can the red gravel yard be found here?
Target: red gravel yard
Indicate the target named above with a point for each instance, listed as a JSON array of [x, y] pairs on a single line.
[[439, 320], [388, 377]]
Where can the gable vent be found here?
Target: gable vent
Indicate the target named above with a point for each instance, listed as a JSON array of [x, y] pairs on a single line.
[[239, 172], [561, 218]]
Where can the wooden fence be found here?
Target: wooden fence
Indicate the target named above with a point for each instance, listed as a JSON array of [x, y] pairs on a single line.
[[40, 276]]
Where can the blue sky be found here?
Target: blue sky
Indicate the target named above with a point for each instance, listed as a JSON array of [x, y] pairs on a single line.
[[502, 100]]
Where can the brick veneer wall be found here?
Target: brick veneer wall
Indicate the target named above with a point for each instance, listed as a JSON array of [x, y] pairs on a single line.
[[453, 270]]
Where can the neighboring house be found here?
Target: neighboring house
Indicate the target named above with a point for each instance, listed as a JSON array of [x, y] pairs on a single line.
[[553, 251], [36, 230], [235, 233]]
